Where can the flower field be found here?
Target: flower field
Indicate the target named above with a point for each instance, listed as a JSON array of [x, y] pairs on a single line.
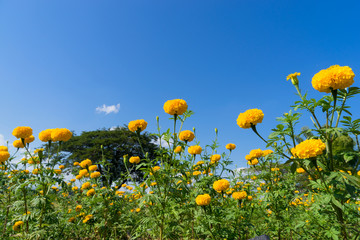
[[303, 186]]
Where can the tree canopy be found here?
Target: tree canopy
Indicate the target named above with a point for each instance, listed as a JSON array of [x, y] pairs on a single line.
[[112, 144]]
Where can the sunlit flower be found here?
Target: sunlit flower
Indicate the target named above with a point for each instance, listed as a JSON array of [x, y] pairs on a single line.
[[221, 185], [29, 139], [186, 136], [4, 155], [95, 175], [250, 118], [215, 158], [85, 163], [293, 78], [86, 185], [332, 78], [175, 106], [17, 225], [239, 195], [45, 135], [18, 144], [230, 146], [22, 132], [90, 192], [195, 150], [178, 149], [135, 160], [309, 148], [203, 200], [61, 134], [137, 125]]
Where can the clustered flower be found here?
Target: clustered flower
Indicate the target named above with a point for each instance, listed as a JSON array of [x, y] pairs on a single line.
[[239, 195], [193, 150], [332, 78], [250, 118], [308, 149], [137, 125], [4, 154], [203, 200], [186, 136], [221, 185], [175, 106], [22, 132]]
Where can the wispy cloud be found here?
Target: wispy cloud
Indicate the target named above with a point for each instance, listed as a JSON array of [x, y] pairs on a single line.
[[108, 109], [2, 140]]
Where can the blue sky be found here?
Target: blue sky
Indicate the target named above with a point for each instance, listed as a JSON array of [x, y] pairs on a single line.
[[60, 60]]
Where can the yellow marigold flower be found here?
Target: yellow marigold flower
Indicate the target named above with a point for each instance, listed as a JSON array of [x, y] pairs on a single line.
[[358, 173], [239, 195], [85, 163], [256, 153], [154, 169], [93, 168], [78, 177], [4, 155], [309, 148], [3, 148], [85, 185], [83, 172], [78, 208], [250, 198], [29, 139], [76, 163], [61, 167], [221, 185], [45, 135], [153, 183], [54, 188], [230, 146], [91, 192], [300, 170], [18, 144], [334, 77], [57, 171], [138, 210], [35, 171], [22, 132], [195, 150], [135, 160], [196, 173], [203, 200], [17, 225], [267, 152], [178, 149], [61, 134], [293, 78], [253, 162], [87, 218], [72, 219], [186, 136], [75, 188], [250, 118], [175, 106], [95, 175], [215, 158], [137, 125]]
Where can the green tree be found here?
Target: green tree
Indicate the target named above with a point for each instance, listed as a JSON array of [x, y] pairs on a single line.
[[112, 144]]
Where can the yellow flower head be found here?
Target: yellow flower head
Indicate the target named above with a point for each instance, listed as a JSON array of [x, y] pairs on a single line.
[[230, 146], [22, 132], [85, 163], [78, 208], [3, 148], [239, 195], [75, 188], [29, 139], [83, 172], [203, 200], [76, 163], [17, 225], [186, 136], [221, 185], [61, 134], [93, 168], [137, 125], [334, 77], [18, 144], [135, 160], [215, 158], [91, 192], [309, 148], [250, 118], [95, 175], [195, 150], [4, 156], [256, 153], [300, 170], [178, 149], [87, 218], [253, 162], [86, 185], [61, 166], [45, 135], [175, 106], [267, 152], [57, 171], [293, 78]]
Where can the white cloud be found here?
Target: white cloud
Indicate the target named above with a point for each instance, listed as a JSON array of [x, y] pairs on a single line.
[[2, 140], [163, 142], [108, 109]]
